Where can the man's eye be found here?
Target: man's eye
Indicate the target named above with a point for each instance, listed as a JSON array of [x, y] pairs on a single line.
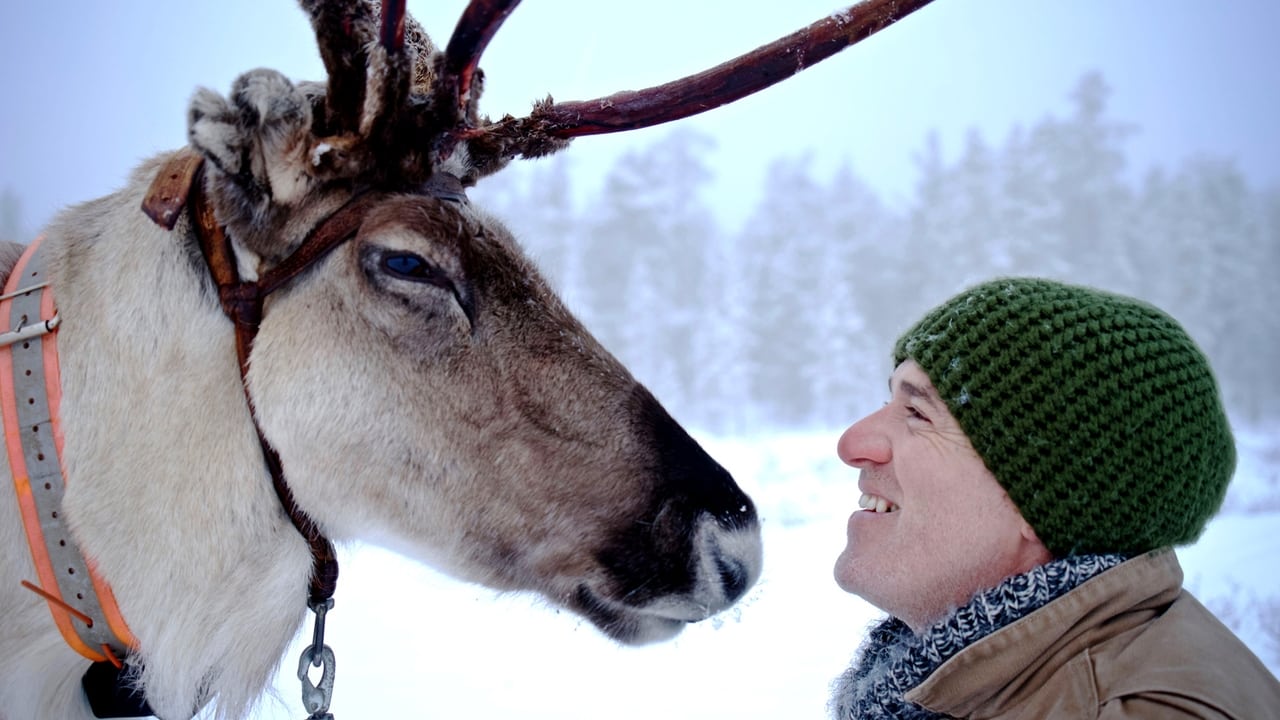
[[913, 412]]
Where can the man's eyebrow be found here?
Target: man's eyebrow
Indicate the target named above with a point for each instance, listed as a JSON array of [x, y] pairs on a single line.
[[927, 394]]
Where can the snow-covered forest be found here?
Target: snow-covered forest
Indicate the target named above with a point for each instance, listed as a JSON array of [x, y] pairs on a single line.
[[786, 319]]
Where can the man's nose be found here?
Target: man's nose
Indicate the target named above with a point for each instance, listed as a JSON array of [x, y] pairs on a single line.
[[864, 444]]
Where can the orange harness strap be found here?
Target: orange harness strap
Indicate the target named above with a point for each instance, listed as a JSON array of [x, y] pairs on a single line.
[[81, 602]]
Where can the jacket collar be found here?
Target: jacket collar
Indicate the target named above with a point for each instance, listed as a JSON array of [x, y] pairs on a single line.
[[894, 660], [999, 670]]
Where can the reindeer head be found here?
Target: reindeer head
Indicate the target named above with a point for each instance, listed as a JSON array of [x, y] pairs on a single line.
[[421, 384]]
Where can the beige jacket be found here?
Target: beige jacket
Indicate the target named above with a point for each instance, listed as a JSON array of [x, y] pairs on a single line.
[[1129, 643]]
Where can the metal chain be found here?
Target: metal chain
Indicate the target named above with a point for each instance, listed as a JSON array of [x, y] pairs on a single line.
[[315, 698]]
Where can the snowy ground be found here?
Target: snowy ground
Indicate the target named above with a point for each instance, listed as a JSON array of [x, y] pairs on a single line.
[[413, 643]]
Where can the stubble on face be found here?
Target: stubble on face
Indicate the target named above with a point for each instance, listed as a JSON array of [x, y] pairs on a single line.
[[953, 532]]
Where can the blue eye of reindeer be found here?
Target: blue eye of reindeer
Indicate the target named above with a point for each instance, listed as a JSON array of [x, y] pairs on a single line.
[[415, 268], [407, 266]]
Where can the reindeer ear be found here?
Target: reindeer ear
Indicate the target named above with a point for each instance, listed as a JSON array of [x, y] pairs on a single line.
[[213, 131], [258, 138]]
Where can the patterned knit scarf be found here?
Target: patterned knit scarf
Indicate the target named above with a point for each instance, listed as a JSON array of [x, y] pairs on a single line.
[[893, 660]]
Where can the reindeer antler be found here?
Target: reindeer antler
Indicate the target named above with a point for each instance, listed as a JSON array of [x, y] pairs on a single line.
[[726, 82], [393, 17], [548, 127], [477, 26], [340, 34], [399, 108]]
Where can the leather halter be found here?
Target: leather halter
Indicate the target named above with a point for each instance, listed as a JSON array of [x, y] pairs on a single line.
[[180, 183]]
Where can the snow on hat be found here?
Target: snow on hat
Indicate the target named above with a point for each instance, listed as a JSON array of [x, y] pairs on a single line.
[[1096, 412]]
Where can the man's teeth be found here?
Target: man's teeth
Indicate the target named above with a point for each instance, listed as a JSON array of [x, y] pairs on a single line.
[[875, 503]]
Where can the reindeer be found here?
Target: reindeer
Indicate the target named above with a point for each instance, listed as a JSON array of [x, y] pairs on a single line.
[[298, 329]]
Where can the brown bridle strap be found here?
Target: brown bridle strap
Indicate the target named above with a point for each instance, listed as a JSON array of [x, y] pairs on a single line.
[[243, 302], [180, 182]]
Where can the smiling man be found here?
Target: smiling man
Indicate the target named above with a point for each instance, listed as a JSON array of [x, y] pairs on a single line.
[[1044, 447]]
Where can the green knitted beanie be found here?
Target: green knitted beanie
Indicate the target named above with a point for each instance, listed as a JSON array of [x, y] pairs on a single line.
[[1096, 412]]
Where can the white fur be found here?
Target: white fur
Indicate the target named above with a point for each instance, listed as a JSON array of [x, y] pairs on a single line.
[[165, 486]]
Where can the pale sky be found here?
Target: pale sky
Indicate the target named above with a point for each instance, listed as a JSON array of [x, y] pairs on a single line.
[[91, 88]]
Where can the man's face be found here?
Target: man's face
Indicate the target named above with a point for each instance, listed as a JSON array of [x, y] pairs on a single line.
[[935, 527]]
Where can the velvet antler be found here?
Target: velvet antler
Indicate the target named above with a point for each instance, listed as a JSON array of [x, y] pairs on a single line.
[[379, 61], [398, 110]]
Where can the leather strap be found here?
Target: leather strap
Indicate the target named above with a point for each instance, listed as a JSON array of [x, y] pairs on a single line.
[[179, 183], [169, 189], [242, 302]]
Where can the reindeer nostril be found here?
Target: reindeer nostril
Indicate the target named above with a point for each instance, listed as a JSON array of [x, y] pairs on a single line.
[[733, 577]]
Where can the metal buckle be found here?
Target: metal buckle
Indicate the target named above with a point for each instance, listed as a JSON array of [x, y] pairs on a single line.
[[25, 330]]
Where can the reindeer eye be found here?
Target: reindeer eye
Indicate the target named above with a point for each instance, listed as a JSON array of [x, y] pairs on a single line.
[[417, 269], [409, 267]]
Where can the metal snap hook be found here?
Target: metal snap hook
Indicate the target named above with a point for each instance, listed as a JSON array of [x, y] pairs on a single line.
[[316, 697]]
